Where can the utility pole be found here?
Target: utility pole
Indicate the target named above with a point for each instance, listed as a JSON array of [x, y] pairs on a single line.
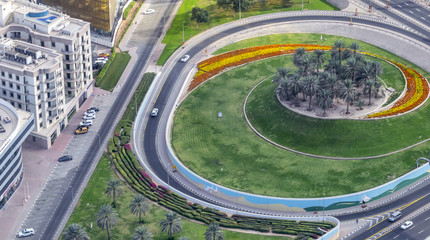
[[240, 11], [302, 6], [183, 34]]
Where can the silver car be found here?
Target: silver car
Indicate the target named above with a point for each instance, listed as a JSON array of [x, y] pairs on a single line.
[[26, 232]]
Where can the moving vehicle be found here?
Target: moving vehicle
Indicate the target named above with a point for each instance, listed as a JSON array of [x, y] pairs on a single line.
[[395, 215], [406, 225], [86, 123], [65, 158], [81, 130], [154, 112], [26, 232], [185, 58]]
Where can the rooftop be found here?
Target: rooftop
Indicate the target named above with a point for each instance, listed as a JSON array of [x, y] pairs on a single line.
[[10, 122]]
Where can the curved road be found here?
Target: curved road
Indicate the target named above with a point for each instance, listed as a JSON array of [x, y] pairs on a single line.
[[155, 128]]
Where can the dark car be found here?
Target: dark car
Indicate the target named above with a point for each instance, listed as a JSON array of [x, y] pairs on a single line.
[[65, 158], [93, 108]]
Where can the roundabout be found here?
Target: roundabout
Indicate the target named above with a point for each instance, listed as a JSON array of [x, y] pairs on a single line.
[[164, 102]]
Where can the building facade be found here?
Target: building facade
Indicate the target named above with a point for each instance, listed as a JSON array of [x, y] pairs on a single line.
[[15, 126], [42, 28], [100, 13]]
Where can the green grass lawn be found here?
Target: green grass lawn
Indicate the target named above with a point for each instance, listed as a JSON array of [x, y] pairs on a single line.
[[173, 38], [93, 197], [113, 74], [207, 144]]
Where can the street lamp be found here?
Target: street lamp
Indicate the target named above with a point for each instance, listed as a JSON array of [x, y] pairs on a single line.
[[302, 6]]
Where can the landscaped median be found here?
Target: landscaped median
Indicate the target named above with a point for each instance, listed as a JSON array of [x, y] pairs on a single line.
[[417, 86]]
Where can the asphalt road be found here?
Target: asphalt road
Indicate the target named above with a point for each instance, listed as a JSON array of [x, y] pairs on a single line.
[[164, 100], [413, 10], [90, 158], [419, 231]]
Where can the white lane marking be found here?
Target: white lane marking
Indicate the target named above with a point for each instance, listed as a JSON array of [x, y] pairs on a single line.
[[423, 18], [420, 231], [406, 4], [411, 12], [427, 219], [400, 6], [412, 227], [396, 237], [418, 9]]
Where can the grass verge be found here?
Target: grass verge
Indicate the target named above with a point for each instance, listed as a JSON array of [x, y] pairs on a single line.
[[173, 39], [114, 71]]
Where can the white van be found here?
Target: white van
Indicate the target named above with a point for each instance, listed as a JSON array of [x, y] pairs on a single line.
[[394, 216]]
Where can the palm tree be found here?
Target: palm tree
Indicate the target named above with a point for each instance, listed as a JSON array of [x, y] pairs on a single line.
[[142, 233], [107, 218], [324, 99], [354, 47], [319, 58], [310, 88], [348, 93], [376, 70], [352, 66], [113, 189], [307, 64], [370, 84], [298, 55], [294, 84], [338, 47], [331, 82], [75, 232], [172, 224], [281, 80], [139, 206], [213, 232], [183, 238]]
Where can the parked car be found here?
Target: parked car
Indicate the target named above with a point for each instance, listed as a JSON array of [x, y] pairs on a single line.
[[26, 232], [185, 58], [89, 114], [93, 108], [406, 225], [154, 112], [89, 117], [149, 11], [65, 158], [86, 123], [81, 130], [90, 111]]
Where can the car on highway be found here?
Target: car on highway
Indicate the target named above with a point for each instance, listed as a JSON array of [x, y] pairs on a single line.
[[65, 158], [406, 225], [394, 216], [149, 11], [81, 130], [185, 58], [93, 109], [86, 123], [26, 232], [154, 112], [89, 117]]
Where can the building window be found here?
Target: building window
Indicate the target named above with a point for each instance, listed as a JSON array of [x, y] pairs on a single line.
[[68, 75], [38, 97], [69, 92], [34, 26], [19, 106], [10, 75], [50, 121], [67, 57], [69, 85], [40, 115], [3, 83], [18, 96], [40, 125], [42, 43], [37, 78], [53, 44], [11, 94], [40, 106], [2, 73], [34, 139], [4, 92], [10, 85], [18, 87], [38, 87]]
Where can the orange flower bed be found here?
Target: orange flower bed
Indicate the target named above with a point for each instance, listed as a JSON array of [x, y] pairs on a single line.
[[417, 85]]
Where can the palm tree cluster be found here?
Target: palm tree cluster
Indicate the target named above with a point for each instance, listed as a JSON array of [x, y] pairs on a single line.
[[345, 75], [107, 218]]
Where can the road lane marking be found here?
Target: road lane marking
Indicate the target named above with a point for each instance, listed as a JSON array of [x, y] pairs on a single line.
[[406, 4], [411, 12], [412, 227], [427, 219], [423, 18], [418, 10], [420, 231], [396, 237]]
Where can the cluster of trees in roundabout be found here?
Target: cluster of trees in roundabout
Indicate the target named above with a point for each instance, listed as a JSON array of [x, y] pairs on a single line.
[[345, 75]]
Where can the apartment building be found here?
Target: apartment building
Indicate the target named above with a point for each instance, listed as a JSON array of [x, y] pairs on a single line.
[[15, 126], [50, 32]]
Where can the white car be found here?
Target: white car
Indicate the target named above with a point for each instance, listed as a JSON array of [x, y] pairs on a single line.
[[86, 123], [149, 11], [185, 58], [90, 112], [26, 232], [406, 225], [154, 112], [89, 117]]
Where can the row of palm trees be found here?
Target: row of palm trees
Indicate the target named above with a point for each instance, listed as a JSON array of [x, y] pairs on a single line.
[[107, 218], [345, 75]]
